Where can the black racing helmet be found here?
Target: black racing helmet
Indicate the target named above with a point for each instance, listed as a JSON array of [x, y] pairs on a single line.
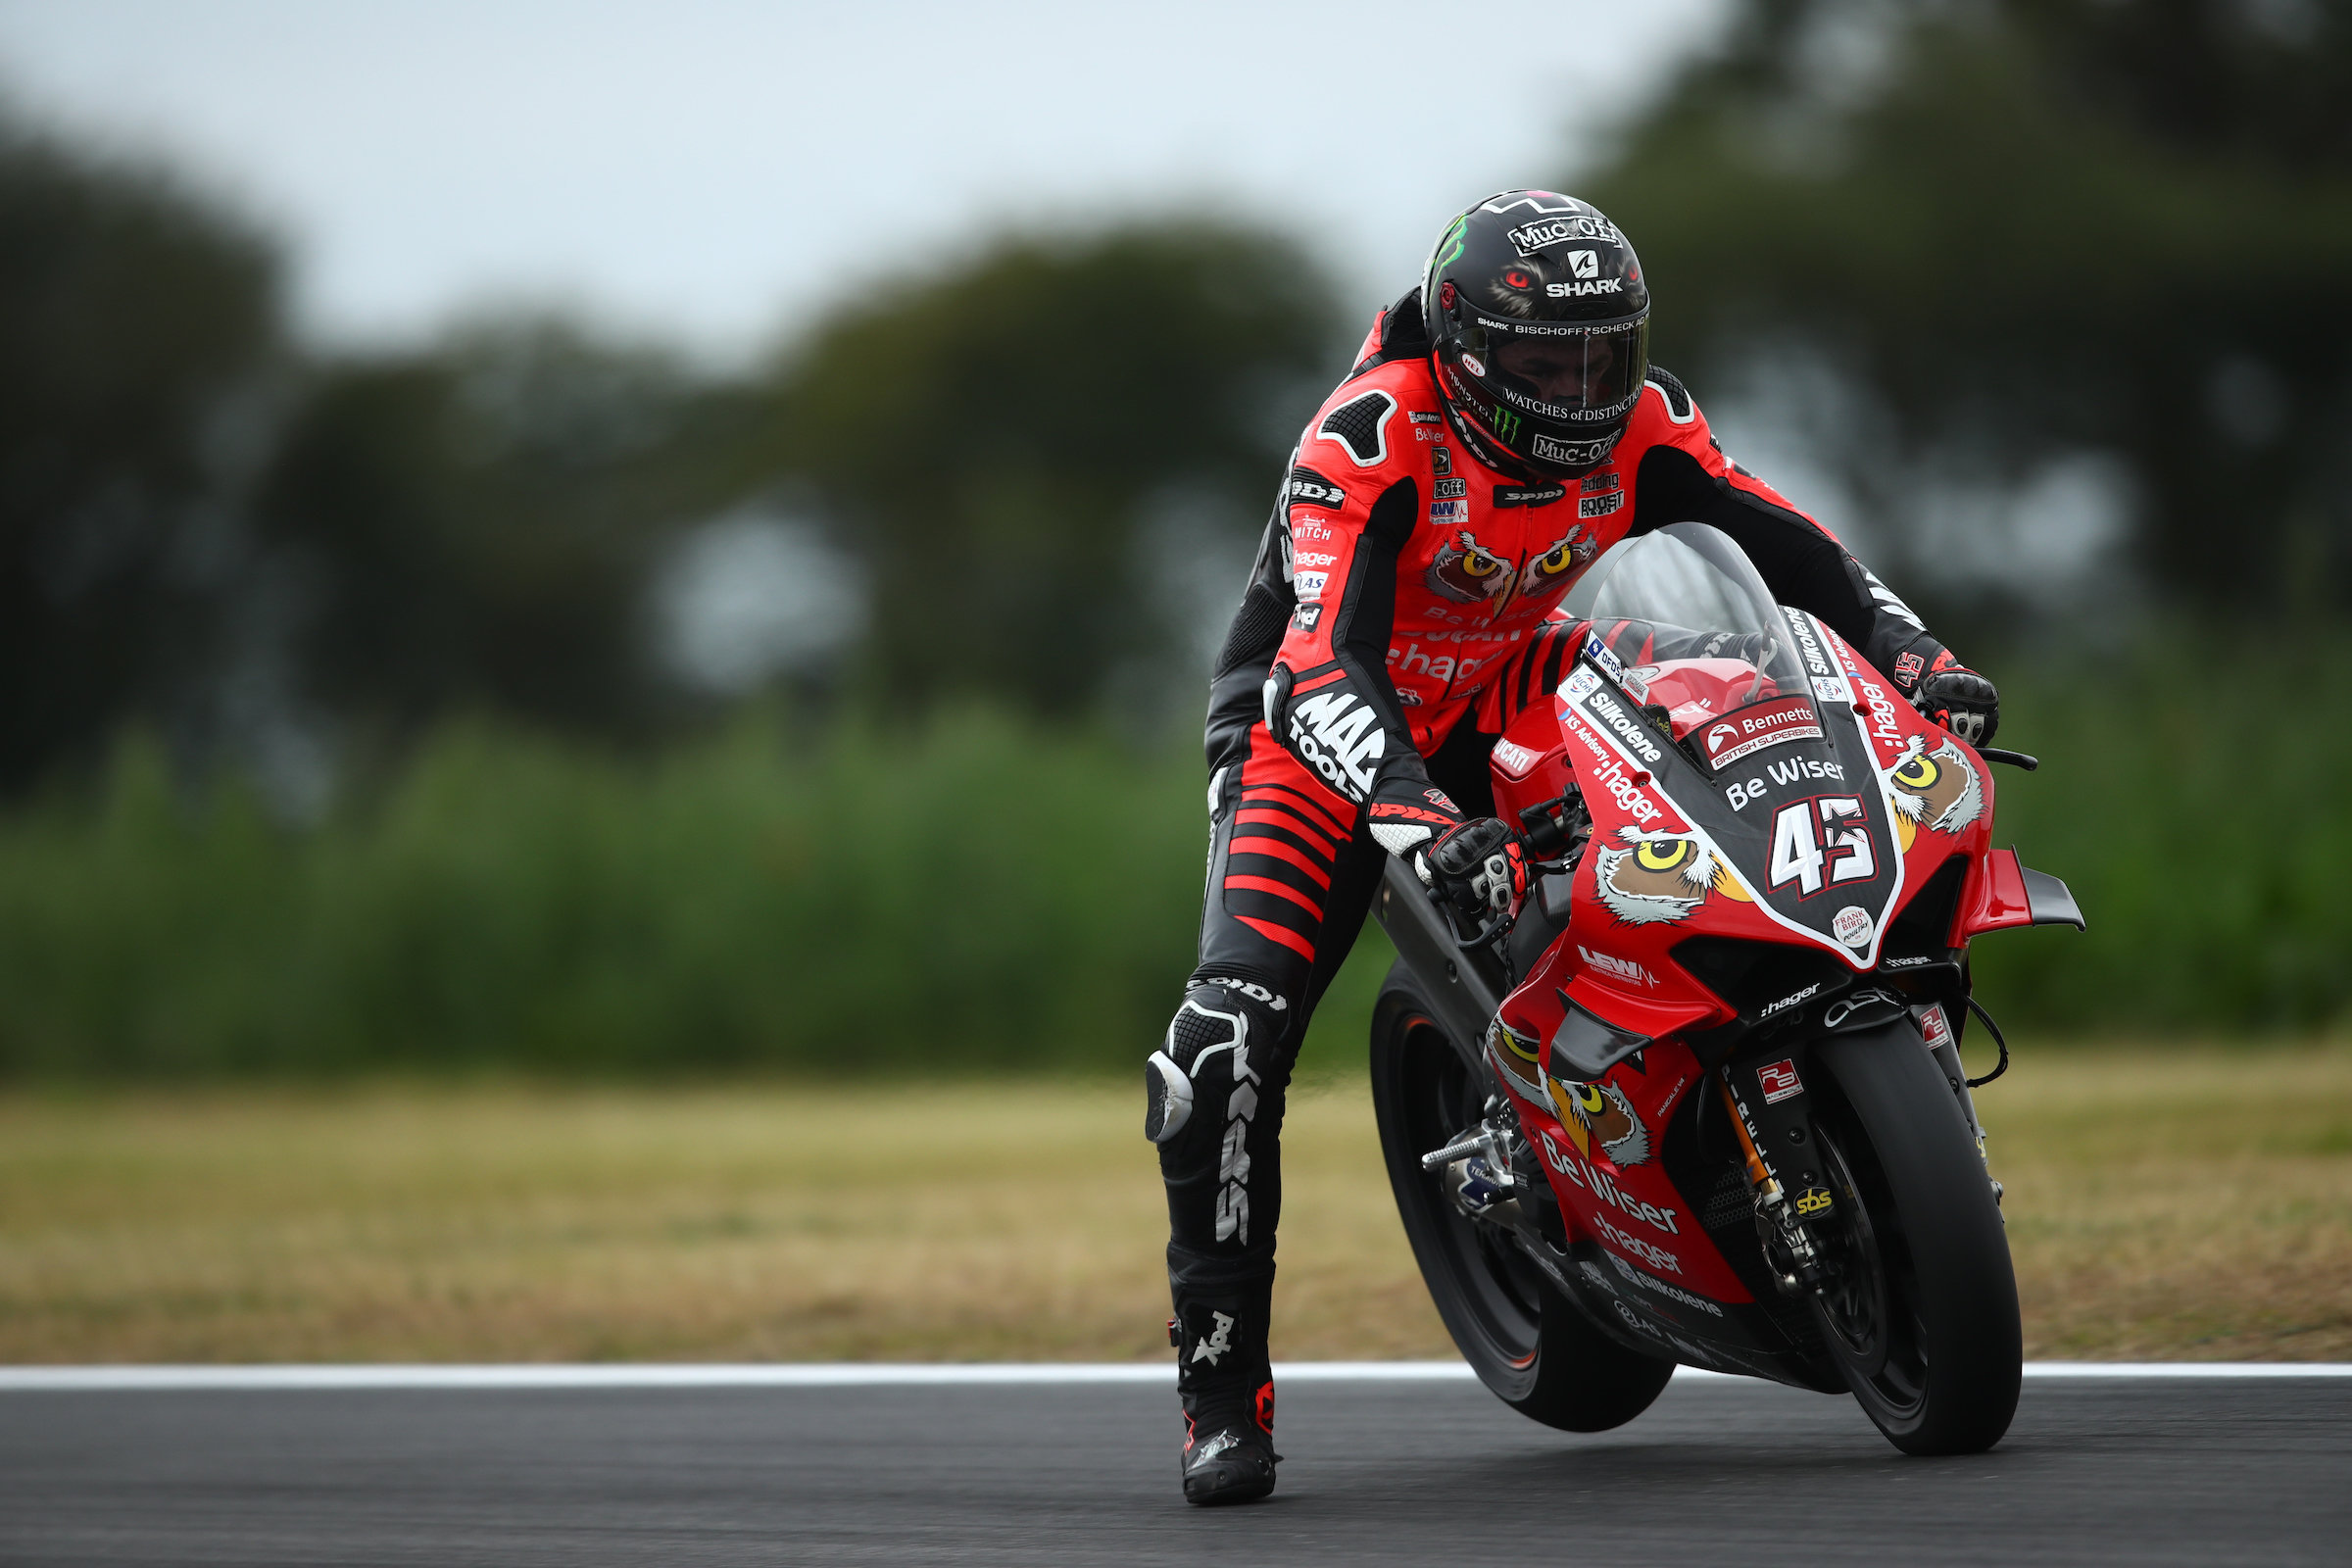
[[1539, 323]]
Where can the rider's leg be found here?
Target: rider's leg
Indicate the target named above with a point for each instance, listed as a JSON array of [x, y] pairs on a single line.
[[1289, 881]]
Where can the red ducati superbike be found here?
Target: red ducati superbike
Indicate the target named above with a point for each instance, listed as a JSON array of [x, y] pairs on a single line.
[[1702, 1102]]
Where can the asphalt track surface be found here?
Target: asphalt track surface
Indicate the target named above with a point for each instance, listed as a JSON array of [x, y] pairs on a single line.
[[1418, 1469]]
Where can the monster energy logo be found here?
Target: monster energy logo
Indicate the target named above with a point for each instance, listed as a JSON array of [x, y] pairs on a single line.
[[1450, 245], [1506, 423]]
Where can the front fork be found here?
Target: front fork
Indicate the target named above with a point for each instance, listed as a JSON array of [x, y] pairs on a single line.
[[1935, 1023], [1774, 1134]]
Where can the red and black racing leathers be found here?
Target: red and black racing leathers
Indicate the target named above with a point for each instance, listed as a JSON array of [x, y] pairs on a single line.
[[1395, 620]]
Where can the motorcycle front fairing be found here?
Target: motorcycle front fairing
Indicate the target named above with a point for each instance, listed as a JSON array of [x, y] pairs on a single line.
[[1775, 833]]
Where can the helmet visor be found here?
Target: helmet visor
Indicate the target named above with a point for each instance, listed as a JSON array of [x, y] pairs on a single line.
[[1568, 374]]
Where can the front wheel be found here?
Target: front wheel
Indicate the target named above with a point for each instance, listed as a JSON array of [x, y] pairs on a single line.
[[1526, 1341], [1922, 1312]]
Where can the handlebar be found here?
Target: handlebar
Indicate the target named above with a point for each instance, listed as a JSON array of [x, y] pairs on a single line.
[[1552, 828]]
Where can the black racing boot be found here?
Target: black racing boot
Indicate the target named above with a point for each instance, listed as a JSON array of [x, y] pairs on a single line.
[[1227, 1386]]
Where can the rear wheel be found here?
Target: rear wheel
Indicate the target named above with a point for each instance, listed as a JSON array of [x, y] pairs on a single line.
[[1525, 1340], [1922, 1315]]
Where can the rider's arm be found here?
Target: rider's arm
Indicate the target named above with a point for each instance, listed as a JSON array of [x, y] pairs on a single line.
[[1684, 476], [1328, 699]]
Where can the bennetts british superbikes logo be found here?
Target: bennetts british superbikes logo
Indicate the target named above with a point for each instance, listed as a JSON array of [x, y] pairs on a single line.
[[1746, 731]]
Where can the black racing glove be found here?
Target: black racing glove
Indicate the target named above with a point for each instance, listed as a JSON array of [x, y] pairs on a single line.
[[1478, 868], [1962, 702]]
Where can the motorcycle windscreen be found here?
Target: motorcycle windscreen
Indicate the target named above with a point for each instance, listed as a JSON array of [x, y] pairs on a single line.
[[1693, 594]]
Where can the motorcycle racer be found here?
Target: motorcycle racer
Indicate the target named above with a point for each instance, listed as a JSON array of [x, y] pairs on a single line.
[[1500, 428]]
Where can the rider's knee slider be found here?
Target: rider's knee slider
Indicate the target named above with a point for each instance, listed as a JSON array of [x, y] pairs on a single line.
[[1219, 1022]]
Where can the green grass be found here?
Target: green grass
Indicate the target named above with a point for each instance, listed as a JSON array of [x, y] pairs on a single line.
[[2176, 1202]]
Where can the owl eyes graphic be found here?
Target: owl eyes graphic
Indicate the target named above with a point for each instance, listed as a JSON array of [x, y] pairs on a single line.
[[1467, 571], [1565, 556], [1601, 1113], [1938, 788], [1918, 772], [1664, 854]]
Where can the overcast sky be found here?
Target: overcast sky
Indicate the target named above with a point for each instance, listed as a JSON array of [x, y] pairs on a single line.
[[695, 171]]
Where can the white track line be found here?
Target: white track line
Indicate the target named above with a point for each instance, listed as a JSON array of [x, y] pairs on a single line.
[[823, 1374]]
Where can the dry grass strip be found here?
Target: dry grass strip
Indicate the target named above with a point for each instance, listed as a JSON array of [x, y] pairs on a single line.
[[2172, 1203]]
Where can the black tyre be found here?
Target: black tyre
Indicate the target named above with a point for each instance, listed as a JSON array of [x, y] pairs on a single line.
[[1923, 1319], [1526, 1341]]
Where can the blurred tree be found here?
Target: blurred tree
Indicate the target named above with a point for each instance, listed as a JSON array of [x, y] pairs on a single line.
[[993, 440], [473, 526], [139, 343], [200, 527], [2022, 229]]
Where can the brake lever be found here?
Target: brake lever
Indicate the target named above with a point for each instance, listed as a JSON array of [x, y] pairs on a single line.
[[1994, 753], [1489, 932]]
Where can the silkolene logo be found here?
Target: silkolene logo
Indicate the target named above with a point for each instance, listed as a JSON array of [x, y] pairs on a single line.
[[1750, 729], [1612, 715]]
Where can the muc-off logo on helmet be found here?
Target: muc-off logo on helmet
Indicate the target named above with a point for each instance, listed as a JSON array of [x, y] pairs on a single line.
[[1547, 449], [1545, 233]]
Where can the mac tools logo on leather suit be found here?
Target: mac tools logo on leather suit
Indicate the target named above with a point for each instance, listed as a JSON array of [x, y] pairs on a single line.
[[1341, 738]]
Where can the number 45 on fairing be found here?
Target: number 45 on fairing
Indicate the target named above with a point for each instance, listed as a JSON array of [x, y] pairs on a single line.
[[1827, 832]]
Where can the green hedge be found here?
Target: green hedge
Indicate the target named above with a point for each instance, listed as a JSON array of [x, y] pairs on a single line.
[[2200, 814], [977, 894], [980, 894]]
